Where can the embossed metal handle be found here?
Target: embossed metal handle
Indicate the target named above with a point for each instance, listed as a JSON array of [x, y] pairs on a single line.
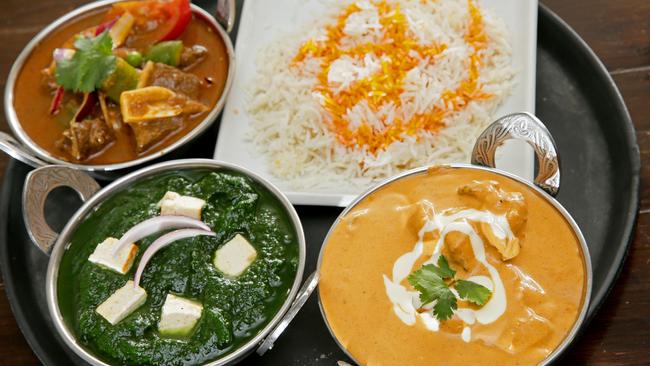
[[226, 13], [13, 148], [38, 185], [303, 294], [526, 127]]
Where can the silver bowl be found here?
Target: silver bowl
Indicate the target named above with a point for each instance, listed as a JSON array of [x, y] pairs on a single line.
[[40, 182], [27, 151], [521, 126]]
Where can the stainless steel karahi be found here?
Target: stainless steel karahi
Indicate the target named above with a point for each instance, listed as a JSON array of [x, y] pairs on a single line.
[[520, 126], [42, 181], [24, 149]]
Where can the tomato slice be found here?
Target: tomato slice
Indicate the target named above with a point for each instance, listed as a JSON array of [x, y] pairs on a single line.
[[155, 20], [182, 20]]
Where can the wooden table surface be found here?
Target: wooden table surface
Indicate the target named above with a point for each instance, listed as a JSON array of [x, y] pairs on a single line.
[[619, 33]]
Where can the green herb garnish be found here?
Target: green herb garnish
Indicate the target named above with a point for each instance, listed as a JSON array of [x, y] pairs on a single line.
[[91, 64], [433, 282], [473, 292]]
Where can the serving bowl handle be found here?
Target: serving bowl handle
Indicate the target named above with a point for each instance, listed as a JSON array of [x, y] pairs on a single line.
[[303, 294], [226, 14], [10, 146], [38, 185], [521, 126]]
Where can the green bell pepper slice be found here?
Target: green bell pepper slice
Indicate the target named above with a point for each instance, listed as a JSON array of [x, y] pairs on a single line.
[[167, 52]]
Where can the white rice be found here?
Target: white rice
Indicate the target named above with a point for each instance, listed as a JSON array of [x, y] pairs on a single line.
[[287, 120]]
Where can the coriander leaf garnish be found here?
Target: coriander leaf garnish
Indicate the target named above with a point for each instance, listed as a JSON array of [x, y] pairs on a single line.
[[434, 282], [473, 292], [91, 64], [430, 284], [443, 270], [445, 306]]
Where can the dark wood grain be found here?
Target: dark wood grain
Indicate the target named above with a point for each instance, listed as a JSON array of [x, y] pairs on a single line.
[[618, 31]]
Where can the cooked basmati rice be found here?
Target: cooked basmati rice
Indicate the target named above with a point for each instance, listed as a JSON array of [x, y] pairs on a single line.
[[292, 126]]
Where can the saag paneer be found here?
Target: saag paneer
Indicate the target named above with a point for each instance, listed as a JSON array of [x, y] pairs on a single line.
[[234, 308]]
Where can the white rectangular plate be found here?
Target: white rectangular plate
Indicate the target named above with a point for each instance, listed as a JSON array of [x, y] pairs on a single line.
[[263, 21]]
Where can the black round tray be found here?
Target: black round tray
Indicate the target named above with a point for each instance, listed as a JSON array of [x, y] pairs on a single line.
[[577, 100]]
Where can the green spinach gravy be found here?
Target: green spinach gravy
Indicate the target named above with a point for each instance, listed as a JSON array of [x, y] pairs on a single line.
[[234, 310]]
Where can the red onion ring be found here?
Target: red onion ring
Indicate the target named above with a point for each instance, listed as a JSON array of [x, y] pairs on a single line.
[[156, 225]]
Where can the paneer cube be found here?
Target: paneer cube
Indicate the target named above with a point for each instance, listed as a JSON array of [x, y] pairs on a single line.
[[119, 262], [122, 303], [235, 256], [179, 316], [173, 203]]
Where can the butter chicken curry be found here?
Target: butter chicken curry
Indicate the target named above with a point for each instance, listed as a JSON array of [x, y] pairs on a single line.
[[453, 266], [120, 83]]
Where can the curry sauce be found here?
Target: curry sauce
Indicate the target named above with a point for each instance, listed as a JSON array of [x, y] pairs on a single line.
[[32, 99], [538, 284]]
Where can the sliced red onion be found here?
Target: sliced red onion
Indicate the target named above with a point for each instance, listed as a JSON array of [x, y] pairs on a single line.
[[156, 225], [162, 242], [62, 54]]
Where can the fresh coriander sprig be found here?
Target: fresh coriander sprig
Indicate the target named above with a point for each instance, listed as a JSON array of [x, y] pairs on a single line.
[[434, 281], [91, 64]]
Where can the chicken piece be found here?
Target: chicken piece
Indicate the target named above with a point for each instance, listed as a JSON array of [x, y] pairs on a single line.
[[510, 204], [174, 79], [507, 247], [499, 201], [458, 251], [85, 138]]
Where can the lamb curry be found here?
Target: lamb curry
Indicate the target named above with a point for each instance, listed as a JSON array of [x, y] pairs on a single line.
[[121, 82], [460, 267]]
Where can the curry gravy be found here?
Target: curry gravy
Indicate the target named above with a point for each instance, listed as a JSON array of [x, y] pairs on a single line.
[[545, 283], [32, 99]]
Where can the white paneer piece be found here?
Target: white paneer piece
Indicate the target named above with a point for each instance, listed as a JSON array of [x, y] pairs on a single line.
[[179, 316], [120, 262], [122, 303], [173, 203], [235, 256]]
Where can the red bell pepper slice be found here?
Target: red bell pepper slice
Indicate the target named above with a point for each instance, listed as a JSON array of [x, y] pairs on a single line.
[[104, 26], [55, 106]]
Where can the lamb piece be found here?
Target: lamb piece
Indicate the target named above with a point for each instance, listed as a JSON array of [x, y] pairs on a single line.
[[192, 56], [82, 139], [156, 102], [149, 132], [176, 80]]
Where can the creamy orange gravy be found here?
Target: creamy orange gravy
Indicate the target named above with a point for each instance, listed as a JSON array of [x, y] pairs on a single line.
[[366, 243]]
